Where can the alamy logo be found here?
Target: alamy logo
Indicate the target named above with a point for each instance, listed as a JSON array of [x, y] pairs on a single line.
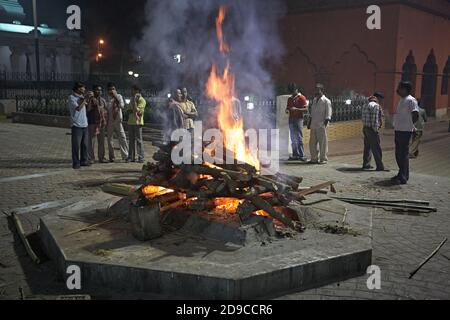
[[74, 20], [258, 147], [73, 281], [374, 20], [374, 280]]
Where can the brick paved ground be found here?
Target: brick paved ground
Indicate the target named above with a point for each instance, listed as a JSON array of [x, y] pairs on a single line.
[[400, 241]]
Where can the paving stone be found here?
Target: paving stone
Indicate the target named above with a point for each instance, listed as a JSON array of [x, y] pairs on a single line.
[[400, 242]]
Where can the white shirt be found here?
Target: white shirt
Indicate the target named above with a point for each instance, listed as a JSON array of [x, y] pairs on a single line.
[[320, 111], [403, 118], [110, 104]]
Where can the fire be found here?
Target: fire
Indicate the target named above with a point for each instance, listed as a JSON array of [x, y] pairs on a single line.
[[224, 48], [227, 205], [221, 88], [155, 191]]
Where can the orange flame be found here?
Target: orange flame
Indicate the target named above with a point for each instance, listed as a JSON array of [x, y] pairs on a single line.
[[221, 88], [154, 191], [224, 48], [227, 205]]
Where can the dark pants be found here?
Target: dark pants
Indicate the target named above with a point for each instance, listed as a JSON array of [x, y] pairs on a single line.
[[372, 146], [135, 136], [296, 129], [80, 145], [402, 139]]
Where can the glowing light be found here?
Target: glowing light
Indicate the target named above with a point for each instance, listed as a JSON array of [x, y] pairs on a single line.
[[130, 73], [127, 101], [136, 75], [348, 102], [247, 99], [250, 106]]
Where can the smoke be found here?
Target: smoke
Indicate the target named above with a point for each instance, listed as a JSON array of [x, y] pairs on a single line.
[[187, 27]]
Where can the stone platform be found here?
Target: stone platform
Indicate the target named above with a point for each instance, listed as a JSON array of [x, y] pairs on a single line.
[[187, 263]]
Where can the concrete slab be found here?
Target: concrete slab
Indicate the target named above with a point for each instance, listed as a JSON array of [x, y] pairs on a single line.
[[187, 264]]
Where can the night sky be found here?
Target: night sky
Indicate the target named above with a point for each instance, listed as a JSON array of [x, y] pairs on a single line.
[[116, 21]]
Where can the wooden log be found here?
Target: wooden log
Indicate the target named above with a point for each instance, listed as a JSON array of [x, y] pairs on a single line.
[[24, 239], [253, 191], [217, 172], [119, 189], [201, 204], [292, 181], [428, 258], [167, 198], [173, 205], [323, 191], [261, 204], [245, 210], [145, 222], [232, 185], [300, 196], [271, 184]]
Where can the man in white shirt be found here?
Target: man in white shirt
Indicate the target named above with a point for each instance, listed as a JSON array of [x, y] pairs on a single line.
[[320, 113], [406, 115], [114, 107]]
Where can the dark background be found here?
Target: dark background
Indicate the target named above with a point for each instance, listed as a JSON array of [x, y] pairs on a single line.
[[118, 22]]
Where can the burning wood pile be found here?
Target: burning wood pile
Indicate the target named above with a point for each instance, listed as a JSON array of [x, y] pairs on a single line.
[[233, 189], [237, 188]]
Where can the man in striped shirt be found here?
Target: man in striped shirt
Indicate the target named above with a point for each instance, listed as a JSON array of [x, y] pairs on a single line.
[[372, 118]]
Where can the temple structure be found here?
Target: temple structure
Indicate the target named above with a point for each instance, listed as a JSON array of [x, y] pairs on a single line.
[[328, 41]]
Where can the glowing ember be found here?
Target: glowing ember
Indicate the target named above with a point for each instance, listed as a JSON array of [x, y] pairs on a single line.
[[155, 191], [227, 205], [221, 88]]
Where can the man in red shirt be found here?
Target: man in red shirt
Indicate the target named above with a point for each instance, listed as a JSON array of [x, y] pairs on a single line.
[[296, 106]]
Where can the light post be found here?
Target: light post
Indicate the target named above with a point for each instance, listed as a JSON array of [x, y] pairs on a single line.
[[36, 46], [99, 55]]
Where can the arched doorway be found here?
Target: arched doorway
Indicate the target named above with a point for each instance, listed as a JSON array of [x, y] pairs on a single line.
[[409, 70], [429, 83], [446, 78]]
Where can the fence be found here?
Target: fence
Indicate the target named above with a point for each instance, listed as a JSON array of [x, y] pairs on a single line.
[[55, 84], [258, 113], [57, 105], [347, 109]]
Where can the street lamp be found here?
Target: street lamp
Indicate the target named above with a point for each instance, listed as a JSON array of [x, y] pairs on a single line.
[[100, 43], [36, 45]]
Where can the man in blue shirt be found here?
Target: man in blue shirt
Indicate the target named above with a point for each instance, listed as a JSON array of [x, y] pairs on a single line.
[[80, 135]]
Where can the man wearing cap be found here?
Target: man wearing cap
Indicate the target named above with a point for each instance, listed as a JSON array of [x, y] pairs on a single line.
[[321, 113], [372, 118], [296, 106]]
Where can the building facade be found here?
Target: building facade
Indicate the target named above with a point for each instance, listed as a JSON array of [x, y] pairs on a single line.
[[328, 41], [62, 53]]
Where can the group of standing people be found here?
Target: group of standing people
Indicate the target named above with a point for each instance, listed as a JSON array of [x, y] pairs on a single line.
[[94, 119], [409, 121], [320, 113], [180, 113]]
